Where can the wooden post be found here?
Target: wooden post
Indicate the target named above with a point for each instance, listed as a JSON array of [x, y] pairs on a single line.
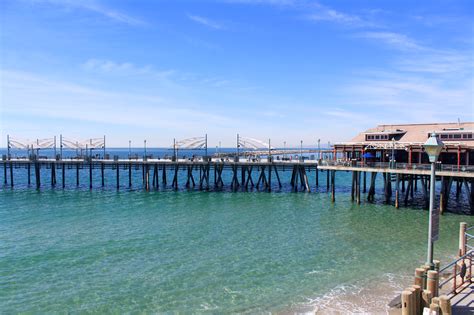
[[317, 176], [327, 179], [365, 182], [147, 177], [353, 185], [406, 302], [462, 238], [333, 186], [63, 175], [90, 175], [397, 189], [412, 300], [29, 174], [77, 173], [118, 176], [358, 174], [419, 272], [11, 174], [129, 175], [37, 175], [102, 174], [445, 305], [432, 282], [5, 172], [426, 297], [434, 308], [417, 298], [269, 177]]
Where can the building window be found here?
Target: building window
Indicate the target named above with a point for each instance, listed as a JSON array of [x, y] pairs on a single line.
[[457, 136]]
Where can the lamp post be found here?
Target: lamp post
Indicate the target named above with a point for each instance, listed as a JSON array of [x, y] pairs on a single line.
[[144, 146], [129, 149], [393, 153], [284, 150], [301, 150], [433, 147], [319, 148]]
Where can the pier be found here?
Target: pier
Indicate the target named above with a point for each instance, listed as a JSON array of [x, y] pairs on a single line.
[[263, 174]]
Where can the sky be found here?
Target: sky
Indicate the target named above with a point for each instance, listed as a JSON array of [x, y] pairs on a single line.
[[283, 70]]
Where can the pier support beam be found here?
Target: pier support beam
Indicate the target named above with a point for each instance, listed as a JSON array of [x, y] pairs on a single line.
[[118, 175], [29, 174], [37, 175], [11, 174], [333, 186], [63, 175], [77, 174], [5, 173]]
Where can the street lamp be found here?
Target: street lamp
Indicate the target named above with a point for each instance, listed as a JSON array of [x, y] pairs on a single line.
[[433, 147], [393, 153], [301, 150], [319, 148]]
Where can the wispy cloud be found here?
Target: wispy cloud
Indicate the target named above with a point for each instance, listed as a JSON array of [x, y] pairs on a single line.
[[96, 7], [394, 40], [326, 14], [124, 68], [49, 98], [205, 21]]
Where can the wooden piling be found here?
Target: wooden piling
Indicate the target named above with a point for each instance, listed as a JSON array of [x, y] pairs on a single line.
[[63, 175], [426, 297], [90, 175], [407, 302], [5, 173], [118, 175], [333, 186], [445, 305], [29, 174], [77, 174], [11, 174], [419, 273], [432, 282], [317, 176], [417, 294], [37, 175], [102, 174]]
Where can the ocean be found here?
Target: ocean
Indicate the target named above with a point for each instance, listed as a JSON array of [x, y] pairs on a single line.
[[108, 251]]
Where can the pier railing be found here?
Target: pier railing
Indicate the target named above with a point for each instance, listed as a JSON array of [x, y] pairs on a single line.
[[397, 166], [462, 266]]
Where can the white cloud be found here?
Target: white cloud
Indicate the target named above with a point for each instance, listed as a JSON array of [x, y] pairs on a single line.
[[395, 40], [205, 21], [94, 6], [25, 94], [124, 68]]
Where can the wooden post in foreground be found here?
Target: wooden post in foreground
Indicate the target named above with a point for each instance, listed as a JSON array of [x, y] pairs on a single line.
[[445, 305], [417, 292], [406, 302], [432, 282], [426, 297], [419, 273], [434, 308]]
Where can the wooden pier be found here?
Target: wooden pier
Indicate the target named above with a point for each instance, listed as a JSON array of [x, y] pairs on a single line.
[[399, 181]]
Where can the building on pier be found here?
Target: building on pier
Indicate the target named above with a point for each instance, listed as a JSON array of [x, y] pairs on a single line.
[[405, 143]]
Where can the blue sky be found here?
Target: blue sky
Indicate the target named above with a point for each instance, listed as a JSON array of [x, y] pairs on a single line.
[[280, 69]]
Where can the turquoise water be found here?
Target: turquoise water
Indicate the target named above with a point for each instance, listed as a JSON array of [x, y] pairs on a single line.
[[107, 251]]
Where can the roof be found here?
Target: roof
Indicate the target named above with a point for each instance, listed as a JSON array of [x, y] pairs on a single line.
[[418, 133]]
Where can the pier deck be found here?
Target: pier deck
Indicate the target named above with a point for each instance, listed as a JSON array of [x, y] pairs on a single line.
[[248, 173]]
